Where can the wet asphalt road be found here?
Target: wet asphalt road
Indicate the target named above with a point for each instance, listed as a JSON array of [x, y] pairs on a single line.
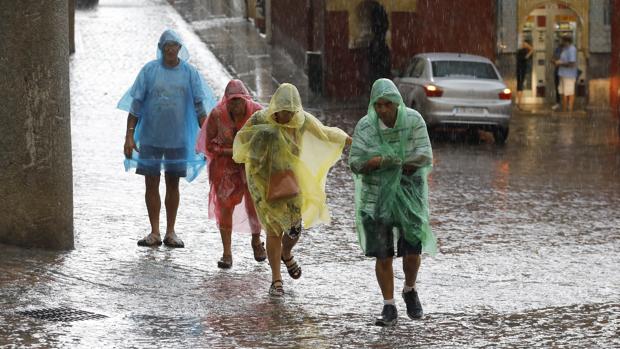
[[529, 238]]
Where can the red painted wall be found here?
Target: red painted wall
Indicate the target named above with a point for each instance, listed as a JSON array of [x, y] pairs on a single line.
[[614, 86], [290, 25], [344, 69], [466, 26]]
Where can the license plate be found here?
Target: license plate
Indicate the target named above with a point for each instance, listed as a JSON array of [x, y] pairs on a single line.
[[469, 110]]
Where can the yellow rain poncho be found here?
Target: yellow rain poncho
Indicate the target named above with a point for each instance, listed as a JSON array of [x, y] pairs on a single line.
[[302, 145]]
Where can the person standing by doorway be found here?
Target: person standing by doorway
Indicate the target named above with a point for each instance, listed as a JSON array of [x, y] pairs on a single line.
[[567, 72], [524, 57], [557, 51], [379, 60]]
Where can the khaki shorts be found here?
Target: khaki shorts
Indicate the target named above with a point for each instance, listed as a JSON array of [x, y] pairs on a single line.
[[567, 86]]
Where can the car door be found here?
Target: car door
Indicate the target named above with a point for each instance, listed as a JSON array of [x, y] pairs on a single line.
[[406, 82], [414, 94]]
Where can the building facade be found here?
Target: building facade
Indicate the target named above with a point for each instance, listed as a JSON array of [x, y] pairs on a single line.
[[334, 39]]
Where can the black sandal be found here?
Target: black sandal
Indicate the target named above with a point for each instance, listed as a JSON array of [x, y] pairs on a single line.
[[225, 262], [294, 270], [276, 291]]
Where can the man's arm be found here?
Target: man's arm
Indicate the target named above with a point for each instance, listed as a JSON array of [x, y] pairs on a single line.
[[422, 152], [359, 160], [130, 143], [201, 112]]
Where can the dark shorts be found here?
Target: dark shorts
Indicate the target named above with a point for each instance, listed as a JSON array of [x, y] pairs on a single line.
[[380, 240], [151, 159]]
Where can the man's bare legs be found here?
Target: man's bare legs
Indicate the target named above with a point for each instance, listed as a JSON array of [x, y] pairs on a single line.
[[153, 203], [411, 265], [385, 277], [172, 202], [568, 103], [153, 207], [385, 273]]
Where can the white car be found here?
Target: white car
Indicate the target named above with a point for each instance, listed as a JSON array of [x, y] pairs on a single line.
[[457, 90]]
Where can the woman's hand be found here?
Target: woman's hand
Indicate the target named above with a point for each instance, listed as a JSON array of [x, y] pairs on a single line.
[[349, 141]]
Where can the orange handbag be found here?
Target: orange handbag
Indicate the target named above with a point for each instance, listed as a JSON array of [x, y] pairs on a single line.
[[282, 185]]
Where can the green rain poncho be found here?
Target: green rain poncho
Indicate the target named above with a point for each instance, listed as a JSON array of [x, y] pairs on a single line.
[[386, 194], [303, 145]]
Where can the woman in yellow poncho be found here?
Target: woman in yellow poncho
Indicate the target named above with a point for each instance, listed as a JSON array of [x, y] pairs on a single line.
[[285, 139]]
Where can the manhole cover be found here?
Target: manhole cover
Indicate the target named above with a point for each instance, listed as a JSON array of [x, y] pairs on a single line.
[[61, 314]]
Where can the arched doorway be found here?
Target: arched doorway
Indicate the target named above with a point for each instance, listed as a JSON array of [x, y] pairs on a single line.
[[545, 25]]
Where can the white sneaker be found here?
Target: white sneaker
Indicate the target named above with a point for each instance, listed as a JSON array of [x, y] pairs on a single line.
[[556, 107]]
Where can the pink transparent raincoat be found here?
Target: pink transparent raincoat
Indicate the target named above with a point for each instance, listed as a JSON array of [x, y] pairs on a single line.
[[227, 178]]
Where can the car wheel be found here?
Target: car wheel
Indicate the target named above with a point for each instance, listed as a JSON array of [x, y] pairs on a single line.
[[500, 134]]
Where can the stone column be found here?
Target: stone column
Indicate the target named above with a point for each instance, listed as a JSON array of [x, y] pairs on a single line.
[[71, 26], [36, 189]]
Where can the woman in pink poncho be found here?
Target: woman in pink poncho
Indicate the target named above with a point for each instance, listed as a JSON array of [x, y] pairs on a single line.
[[227, 178]]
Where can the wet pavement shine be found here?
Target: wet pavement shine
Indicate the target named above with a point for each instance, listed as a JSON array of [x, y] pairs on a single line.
[[529, 236]]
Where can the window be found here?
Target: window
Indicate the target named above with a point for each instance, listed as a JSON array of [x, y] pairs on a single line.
[[418, 69], [409, 71], [463, 69]]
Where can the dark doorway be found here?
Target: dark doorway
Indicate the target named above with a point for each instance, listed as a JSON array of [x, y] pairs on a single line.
[[379, 62]]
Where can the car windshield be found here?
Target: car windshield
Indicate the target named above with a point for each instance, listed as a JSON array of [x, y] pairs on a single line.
[[463, 69]]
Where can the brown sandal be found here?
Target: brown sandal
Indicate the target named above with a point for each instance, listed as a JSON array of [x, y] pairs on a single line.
[[276, 291], [259, 252], [294, 270]]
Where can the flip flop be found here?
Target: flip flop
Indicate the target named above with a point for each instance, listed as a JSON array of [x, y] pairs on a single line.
[[149, 241], [172, 240]]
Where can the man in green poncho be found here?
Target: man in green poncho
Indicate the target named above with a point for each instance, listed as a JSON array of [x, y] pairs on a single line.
[[391, 157]]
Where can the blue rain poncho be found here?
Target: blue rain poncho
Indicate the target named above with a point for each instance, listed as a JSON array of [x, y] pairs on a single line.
[[387, 195], [168, 102]]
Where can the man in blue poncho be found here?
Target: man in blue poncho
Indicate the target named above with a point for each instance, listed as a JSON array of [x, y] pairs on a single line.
[[391, 157], [166, 104]]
